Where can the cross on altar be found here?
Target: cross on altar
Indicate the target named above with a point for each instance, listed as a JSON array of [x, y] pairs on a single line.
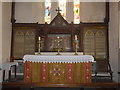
[[58, 10]]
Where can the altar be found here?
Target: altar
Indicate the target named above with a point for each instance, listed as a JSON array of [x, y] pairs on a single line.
[[58, 69]]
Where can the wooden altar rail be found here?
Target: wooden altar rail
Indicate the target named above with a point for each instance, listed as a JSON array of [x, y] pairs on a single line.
[[89, 85]]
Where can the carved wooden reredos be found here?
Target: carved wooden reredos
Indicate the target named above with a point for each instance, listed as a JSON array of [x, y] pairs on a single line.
[[25, 36]]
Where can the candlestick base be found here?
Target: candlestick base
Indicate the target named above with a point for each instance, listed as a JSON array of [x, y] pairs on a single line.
[[58, 53], [76, 53], [38, 53]]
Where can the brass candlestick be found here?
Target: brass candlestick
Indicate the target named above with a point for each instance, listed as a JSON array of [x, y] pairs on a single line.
[[76, 45], [39, 53], [58, 53], [58, 45]]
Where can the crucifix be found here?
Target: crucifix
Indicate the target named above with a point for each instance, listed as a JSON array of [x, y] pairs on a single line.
[[58, 10]]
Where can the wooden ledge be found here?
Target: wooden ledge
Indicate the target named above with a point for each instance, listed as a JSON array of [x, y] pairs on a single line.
[[82, 85]]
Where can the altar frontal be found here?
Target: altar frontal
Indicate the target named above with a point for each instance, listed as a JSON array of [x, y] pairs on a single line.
[[58, 69]]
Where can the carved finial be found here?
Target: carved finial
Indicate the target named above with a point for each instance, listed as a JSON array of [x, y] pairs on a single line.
[[58, 10]]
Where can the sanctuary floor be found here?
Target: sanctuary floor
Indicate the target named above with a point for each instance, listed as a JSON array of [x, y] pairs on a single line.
[[101, 83]]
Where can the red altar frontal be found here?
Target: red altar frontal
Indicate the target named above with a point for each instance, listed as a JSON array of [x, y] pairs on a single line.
[[58, 69]]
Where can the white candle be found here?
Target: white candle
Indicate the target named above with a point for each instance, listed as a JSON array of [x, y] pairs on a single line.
[[75, 37], [39, 38], [58, 37]]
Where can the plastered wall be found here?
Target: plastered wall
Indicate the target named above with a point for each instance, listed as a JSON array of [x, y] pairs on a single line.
[[6, 31], [5, 34], [34, 12], [119, 42], [92, 11], [0, 41], [113, 38]]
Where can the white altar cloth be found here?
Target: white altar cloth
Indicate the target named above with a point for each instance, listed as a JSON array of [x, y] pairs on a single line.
[[58, 58]]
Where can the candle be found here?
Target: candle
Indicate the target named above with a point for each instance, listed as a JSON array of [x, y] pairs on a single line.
[[58, 37], [75, 37], [38, 38]]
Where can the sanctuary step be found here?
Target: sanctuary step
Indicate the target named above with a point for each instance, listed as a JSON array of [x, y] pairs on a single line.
[[35, 86]]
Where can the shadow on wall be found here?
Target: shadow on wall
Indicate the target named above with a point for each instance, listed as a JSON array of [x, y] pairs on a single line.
[[0, 76], [119, 65]]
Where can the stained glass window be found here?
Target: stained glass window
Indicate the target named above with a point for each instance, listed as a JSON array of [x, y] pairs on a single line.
[[76, 11], [62, 6], [47, 11]]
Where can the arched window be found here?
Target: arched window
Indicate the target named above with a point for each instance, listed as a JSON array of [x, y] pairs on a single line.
[[47, 11], [76, 11], [62, 6]]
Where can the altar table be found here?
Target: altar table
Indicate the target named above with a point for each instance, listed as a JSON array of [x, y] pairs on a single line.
[[58, 69]]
